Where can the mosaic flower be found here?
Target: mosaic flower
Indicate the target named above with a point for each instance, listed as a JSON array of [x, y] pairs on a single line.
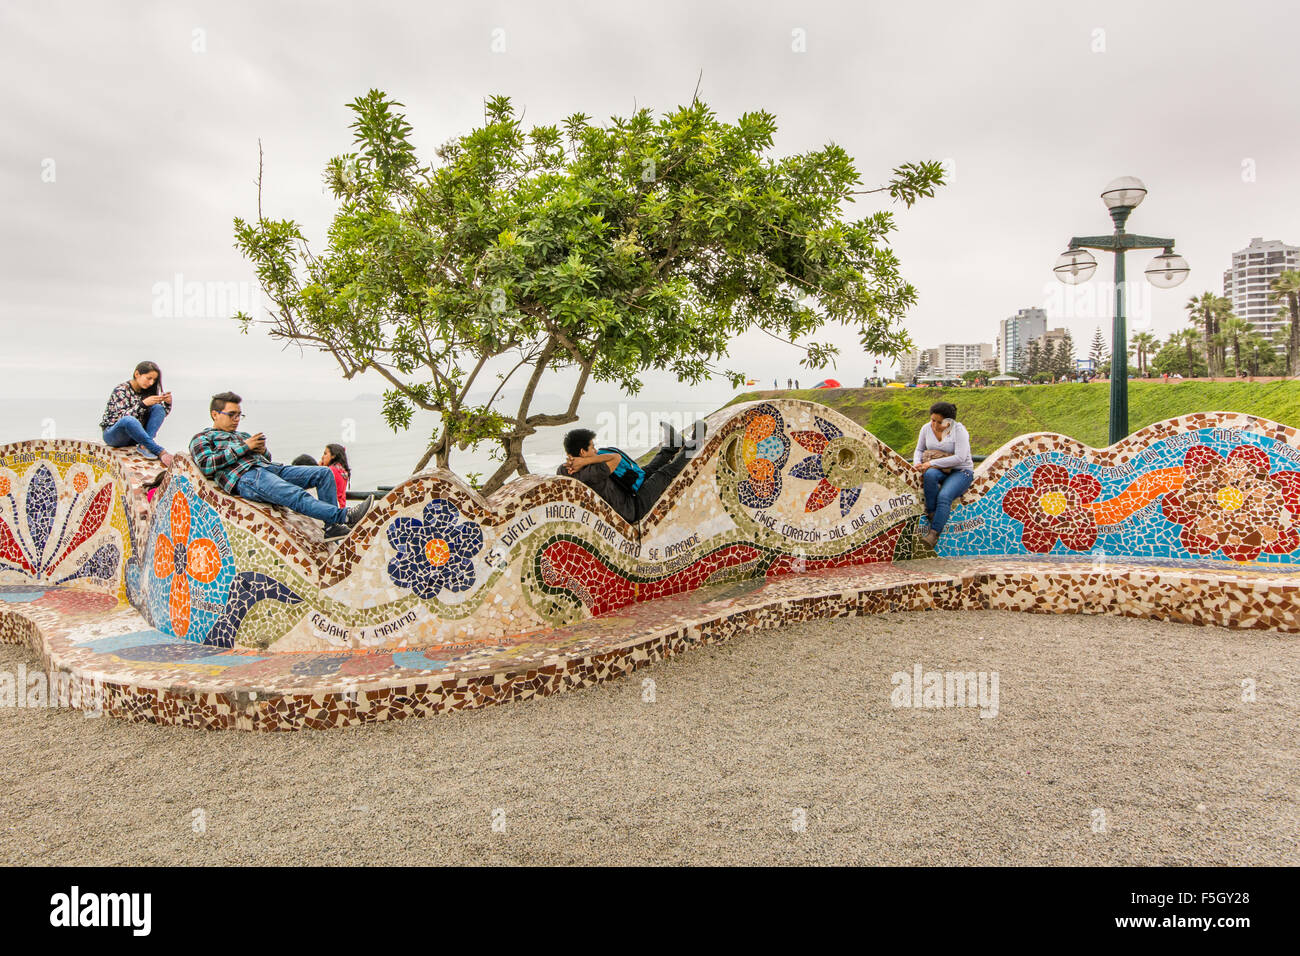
[[40, 507], [1235, 505], [836, 464], [1055, 508], [764, 449], [436, 553], [179, 559]]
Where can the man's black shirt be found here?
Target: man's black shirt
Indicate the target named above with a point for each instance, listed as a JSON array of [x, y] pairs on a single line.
[[600, 479]]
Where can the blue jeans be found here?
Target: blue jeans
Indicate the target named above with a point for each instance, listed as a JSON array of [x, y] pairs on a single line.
[[277, 484], [941, 491], [128, 431]]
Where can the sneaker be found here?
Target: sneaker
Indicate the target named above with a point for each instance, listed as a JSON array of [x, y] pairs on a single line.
[[671, 437], [696, 444], [335, 531], [357, 512], [145, 453]]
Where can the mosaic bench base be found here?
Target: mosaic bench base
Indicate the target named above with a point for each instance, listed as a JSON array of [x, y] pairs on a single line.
[[116, 662]]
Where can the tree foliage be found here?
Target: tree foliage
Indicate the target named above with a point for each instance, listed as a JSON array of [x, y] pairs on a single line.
[[608, 251]]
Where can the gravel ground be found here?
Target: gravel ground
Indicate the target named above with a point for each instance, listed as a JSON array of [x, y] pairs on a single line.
[[1141, 721]]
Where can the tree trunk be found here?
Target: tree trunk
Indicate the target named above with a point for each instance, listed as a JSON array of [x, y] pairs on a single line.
[[1293, 346]]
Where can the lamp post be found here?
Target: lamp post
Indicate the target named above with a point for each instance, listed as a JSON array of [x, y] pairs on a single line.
[[1077, 265]]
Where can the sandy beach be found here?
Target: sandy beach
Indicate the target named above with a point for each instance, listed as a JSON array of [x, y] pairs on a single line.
[[1116, 742]]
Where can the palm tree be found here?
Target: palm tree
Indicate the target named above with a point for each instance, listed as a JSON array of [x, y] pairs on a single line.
[[1233, 329], [1142, 345], [1286, 288], [1206, 311]]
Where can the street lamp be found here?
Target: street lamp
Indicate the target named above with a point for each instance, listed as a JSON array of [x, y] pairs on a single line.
[[1077, 265]]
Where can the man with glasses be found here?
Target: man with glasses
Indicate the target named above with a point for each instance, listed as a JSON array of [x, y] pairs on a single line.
[[241, 465]]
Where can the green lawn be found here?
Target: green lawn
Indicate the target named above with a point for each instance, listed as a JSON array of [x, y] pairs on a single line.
[[995, 415]]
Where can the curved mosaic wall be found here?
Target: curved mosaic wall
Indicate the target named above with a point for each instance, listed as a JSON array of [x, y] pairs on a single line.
[[63, 516], [436, 573], [1213, 485], [775, 491]]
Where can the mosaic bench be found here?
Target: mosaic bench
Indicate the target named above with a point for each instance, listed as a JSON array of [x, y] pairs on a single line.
[[209, 611]]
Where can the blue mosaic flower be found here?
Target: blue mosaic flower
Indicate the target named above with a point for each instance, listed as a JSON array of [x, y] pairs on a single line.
[[436, 553]]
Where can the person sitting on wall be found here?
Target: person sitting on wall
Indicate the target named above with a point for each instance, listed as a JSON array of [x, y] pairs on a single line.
[[241, 465], [135, 412], [947, 474], [605, 472], [335, 458]]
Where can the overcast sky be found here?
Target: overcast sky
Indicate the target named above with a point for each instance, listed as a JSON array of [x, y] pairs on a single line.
[[130, 142]]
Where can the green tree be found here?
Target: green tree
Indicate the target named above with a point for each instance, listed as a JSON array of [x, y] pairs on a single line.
[[1234, 330], [1064, 364], [1261, 355], [1181, 355], [1207, 311], [1098, 351], [1033, 366], [1142, 345], [1286, 289], [603, 251]]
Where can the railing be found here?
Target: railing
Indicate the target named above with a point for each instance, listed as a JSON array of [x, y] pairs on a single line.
[[362, 495]]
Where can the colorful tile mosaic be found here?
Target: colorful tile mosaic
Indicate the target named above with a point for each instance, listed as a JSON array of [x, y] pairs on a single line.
[[215, 611], [1214, 484]]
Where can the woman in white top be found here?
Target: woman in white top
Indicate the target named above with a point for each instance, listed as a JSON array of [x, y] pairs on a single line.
[[947, 470]]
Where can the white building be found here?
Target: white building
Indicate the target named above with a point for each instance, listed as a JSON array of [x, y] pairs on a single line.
[[1250, 280], [1015, 335], [952, 359]]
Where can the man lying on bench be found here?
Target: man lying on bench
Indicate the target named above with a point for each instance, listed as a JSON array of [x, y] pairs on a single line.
[[242, 466], [630, 490]]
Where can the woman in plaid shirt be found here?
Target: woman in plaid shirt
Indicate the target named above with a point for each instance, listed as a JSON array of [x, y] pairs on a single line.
[[135, 413]]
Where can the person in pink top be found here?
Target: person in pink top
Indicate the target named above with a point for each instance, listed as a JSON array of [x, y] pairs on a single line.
[[335, 457]]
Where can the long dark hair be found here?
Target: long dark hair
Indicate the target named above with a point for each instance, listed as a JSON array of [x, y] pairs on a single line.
[[339, 456], [145, 368]]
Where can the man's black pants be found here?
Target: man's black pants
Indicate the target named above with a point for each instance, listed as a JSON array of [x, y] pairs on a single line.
[[659, 474]]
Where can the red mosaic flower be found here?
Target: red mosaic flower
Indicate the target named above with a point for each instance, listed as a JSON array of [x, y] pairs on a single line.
[[1234, 505], [1055, 508]]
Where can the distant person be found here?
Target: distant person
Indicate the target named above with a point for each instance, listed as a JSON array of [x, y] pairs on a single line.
[[775, 385], [135, 412], [789, 383], [335, 458], [629, 489], [796, 383], [947, 475], [241, 464]]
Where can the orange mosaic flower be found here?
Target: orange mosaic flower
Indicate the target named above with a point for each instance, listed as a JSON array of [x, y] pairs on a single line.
[[4, 485], [80, 481], [184, 559]]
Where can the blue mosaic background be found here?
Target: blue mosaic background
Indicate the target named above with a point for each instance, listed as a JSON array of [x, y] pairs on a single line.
[[1145, 534]]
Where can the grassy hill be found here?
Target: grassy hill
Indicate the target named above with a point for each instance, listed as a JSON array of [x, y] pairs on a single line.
[[996, 415]]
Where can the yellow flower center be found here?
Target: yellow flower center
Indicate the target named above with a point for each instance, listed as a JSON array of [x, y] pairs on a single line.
[[437, 552], [1230, 498], [1054, 502]]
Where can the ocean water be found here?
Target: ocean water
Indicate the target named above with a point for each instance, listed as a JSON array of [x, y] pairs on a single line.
[[378, 456]]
